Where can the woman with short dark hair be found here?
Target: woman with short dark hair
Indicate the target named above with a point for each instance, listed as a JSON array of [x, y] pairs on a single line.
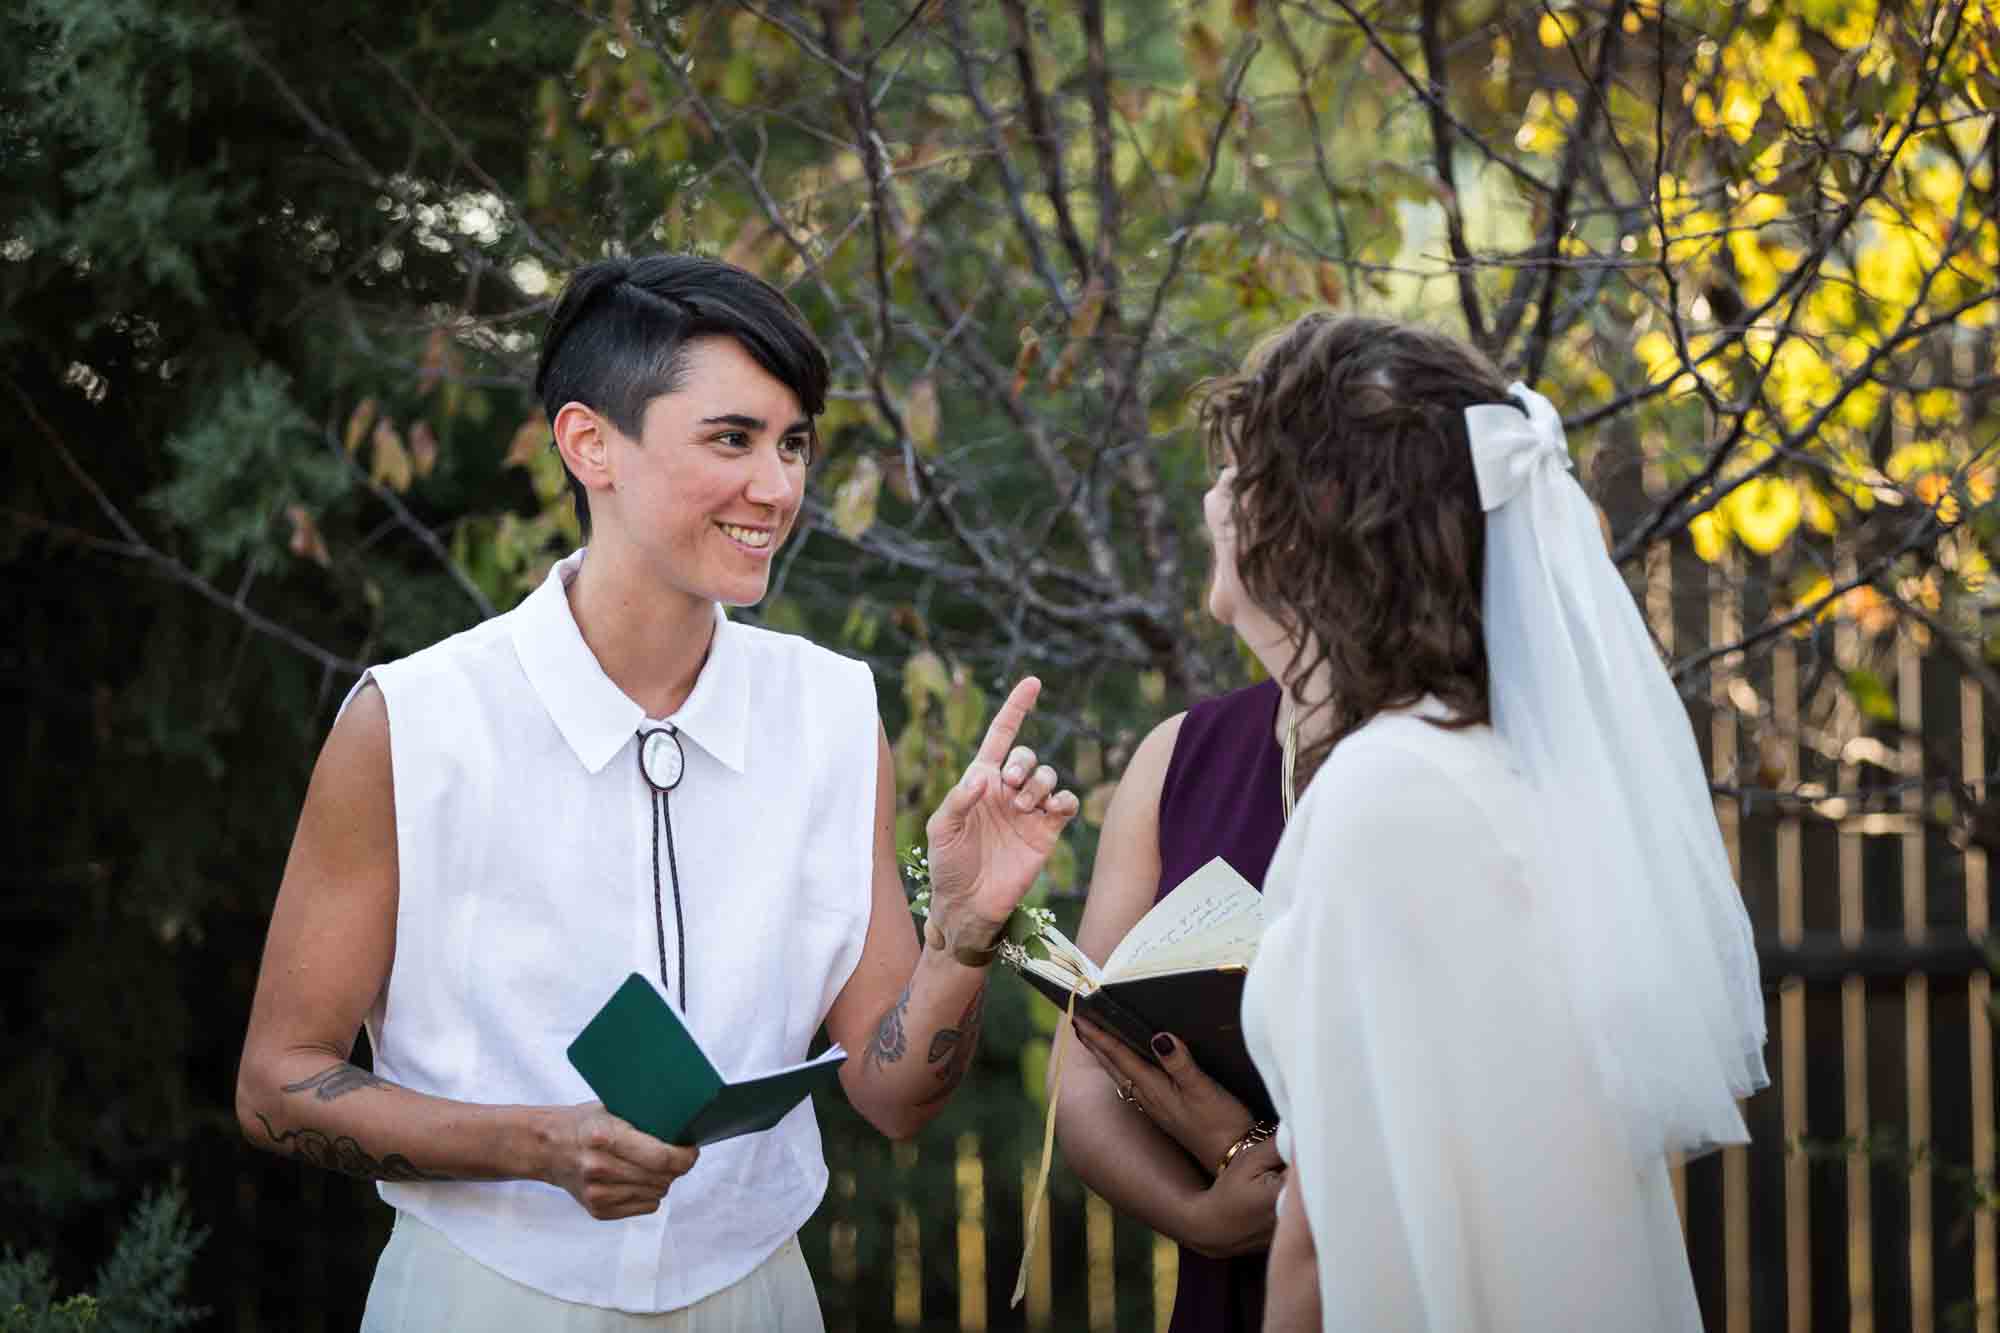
[[614, 777]]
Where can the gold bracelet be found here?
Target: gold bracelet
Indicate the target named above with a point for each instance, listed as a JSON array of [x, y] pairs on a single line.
[[968, 957], [1259, 1131]]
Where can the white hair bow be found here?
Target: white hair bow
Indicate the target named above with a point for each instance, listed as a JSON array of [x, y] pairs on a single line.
[[1508, 447]]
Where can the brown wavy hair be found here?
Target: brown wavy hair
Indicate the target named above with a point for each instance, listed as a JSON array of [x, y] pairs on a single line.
[[1358, 525]]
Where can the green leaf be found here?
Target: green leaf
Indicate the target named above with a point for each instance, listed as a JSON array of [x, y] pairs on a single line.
[[924, 679], [1060, 869], [863, 622], [964, 711], [1871, 695], [920, 415], [1035, 1055], [739, 79]]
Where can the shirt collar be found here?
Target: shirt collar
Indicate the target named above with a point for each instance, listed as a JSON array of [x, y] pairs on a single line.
[[597, 718]]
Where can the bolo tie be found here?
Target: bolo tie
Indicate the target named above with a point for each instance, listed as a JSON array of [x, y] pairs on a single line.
[[662, 763]]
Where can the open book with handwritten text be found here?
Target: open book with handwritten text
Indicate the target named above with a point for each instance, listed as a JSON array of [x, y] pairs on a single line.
[[1180, 969]]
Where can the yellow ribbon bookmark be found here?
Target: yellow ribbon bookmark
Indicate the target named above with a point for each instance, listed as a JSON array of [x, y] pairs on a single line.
[[1040, 1205]]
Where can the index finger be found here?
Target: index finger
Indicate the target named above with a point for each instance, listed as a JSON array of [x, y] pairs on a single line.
[[1006, 724]]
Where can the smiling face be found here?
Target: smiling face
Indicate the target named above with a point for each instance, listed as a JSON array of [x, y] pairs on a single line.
[[703, 499]]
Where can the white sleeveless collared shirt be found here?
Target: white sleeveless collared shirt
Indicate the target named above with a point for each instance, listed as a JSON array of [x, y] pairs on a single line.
[[525, 858]]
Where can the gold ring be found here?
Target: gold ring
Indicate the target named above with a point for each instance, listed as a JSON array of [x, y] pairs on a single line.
[[1125, 1091]]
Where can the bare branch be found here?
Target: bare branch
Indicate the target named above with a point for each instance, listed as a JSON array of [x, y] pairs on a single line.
[[1447, 174], [137, 548]]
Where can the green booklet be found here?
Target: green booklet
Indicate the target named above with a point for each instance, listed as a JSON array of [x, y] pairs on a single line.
[[648, 1070]]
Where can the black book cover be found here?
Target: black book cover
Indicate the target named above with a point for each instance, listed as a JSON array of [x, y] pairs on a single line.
[[1203, 1008]]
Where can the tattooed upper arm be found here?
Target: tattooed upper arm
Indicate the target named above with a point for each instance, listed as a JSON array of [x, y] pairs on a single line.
[[891, 1041]]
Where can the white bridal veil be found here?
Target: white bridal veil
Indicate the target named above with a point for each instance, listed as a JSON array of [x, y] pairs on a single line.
[[1505, 972], [1661, 967]]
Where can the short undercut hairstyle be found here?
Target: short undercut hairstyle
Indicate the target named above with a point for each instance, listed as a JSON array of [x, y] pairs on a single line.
[[618, 339]]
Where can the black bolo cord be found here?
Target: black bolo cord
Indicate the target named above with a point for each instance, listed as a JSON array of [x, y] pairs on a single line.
[[663, 814], [666, 801]]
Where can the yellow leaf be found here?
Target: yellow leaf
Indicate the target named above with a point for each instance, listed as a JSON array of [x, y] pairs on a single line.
[[1764, 513], [924, 677], [855, 499], [390, 464], [1097, 801], [1271, 207], [1817, 593], [1710, 537], [1740, 111], [1655, 351], [529, 437], [1916, 459], [358, 423], [307, 543], [423, 448], [920, 415]]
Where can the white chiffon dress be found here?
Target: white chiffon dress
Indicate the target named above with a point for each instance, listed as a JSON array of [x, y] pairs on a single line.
[[1461, 1166]]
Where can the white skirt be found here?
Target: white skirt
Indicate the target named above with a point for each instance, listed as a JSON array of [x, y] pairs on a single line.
[[424, 1283]]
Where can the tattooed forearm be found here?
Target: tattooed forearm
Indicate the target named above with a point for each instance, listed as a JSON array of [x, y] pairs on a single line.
[[952, 1048], [890, 1042], [344, 1155], [336, 1081]]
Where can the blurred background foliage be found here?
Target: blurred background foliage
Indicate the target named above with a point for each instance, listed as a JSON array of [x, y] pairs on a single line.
[[272, 275]]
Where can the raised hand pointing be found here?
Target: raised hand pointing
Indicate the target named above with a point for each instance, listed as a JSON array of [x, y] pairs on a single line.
[[993, 831]]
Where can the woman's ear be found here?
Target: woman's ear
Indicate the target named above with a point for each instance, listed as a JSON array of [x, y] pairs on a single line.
[[583, 438]]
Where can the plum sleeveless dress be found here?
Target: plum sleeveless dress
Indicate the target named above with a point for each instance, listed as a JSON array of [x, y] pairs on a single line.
[[1221, 797]]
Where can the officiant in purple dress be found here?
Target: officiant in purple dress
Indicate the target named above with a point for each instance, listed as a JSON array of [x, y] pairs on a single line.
[[1169, 1146]]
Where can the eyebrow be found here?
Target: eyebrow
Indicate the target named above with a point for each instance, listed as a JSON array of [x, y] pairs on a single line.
[[742, 422]]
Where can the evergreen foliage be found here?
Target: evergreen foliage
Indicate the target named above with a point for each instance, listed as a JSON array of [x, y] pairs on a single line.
[[138, 1289]]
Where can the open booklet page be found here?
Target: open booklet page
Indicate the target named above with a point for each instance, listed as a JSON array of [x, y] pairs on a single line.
[[1212, 919]]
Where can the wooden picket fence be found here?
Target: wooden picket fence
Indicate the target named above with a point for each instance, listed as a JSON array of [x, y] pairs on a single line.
[[1865, 1199]]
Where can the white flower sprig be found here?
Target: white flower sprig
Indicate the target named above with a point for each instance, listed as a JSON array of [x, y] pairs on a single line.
[[1024, 926]]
